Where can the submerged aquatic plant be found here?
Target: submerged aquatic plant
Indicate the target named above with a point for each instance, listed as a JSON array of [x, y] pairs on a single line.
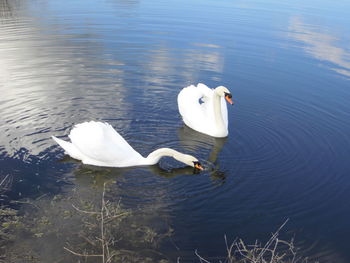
[[106, 216], [79, 226]]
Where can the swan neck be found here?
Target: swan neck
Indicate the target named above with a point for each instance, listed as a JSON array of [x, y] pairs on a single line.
[[217, 111], [155, 156]]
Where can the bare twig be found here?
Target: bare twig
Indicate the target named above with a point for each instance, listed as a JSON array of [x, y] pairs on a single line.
[[4, 180], [81, 255], [88, 240], [102, 223], [25, 202], [84, 211], [230, 257], [200, 258], [104, 216], [271, 252], [272, 239]]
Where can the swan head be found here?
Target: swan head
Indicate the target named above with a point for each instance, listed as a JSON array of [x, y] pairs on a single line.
[[189, 160], [224, 92]]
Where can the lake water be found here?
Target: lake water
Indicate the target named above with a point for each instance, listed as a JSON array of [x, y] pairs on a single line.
[[287, 64]]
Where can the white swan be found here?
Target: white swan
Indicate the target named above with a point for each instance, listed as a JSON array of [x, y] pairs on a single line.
[[204, 109], [97, 143]]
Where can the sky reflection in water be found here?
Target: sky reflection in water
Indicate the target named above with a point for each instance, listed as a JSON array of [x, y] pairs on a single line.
[[286, 64]]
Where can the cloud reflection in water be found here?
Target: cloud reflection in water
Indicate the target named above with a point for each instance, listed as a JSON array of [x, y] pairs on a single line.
[[322, 46]]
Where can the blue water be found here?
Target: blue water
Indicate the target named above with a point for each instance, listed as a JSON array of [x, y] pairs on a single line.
[[286, 63]]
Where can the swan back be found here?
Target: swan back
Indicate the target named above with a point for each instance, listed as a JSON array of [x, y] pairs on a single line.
[[101, 145]]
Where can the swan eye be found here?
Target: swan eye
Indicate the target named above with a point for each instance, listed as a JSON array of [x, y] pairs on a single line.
[[229, 95]]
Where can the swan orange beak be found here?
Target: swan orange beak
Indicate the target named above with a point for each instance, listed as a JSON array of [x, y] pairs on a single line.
[[198, 166], [228, 97]]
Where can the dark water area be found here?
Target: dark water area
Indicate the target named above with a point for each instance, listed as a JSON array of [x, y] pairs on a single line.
[[287, 65]]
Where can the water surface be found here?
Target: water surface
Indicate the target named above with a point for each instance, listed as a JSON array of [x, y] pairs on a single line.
[[286, 64]]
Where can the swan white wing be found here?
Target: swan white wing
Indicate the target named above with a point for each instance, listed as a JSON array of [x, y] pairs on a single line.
[[207, 105], [204, 90], [188, 96], [69, 148], [101, 143], [195, 106]]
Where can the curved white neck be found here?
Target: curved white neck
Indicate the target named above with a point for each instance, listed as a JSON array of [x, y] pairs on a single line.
[[217, 111], [155, 156]]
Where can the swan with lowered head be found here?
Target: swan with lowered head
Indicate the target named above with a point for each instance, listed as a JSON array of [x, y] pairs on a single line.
[[204, 109], [98, 144]]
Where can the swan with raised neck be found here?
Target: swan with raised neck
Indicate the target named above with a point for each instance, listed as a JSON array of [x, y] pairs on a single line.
[[221, 92], [204, 109]]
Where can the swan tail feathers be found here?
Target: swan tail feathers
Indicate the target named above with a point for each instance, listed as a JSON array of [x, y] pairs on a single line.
[[69, 148]]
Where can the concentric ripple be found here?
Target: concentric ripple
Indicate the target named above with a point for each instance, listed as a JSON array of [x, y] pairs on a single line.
[[124, 62]]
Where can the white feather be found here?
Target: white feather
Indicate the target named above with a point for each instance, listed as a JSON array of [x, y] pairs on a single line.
[[97, 143], [197, 108]]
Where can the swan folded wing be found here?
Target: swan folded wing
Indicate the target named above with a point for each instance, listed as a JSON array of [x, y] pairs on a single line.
[[100, 142], [194, 113], [190, 101], [204, 90]]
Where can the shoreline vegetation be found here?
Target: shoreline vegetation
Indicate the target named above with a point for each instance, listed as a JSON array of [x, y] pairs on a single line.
[[93, 231], [275, 250]]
